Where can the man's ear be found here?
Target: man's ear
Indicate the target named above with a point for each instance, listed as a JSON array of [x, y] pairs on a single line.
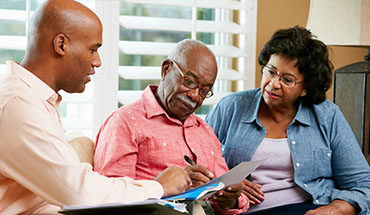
[[166, 68], [60, 43]]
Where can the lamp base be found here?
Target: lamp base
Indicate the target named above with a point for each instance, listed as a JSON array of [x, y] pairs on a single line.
[[352, 95]]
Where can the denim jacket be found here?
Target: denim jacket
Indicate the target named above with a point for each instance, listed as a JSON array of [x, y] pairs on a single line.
[[327, 160]]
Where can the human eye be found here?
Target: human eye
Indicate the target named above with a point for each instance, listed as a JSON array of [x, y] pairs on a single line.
[[189, 82], [287, 80], [270, 72], [93, 51], [205, 91]]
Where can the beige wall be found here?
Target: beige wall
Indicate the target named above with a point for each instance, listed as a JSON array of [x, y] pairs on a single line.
[[276, 14]]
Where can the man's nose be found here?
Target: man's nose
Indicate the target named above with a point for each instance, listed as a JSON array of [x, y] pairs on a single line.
[[96, 62], [194, 94]]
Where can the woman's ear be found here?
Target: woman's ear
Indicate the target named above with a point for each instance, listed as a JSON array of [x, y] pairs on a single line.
[[60, 42], [303, 93], [166, 68]]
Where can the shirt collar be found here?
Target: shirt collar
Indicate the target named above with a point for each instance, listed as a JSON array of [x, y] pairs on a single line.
[[33, 82], [153, 108], [303, 114], [253, 108]]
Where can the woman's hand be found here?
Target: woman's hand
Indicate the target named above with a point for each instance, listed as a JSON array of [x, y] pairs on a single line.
[[253, 192], [337, 207]]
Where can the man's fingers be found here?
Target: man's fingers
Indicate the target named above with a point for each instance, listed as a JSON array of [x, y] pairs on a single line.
[[202, 170], [198, 174]]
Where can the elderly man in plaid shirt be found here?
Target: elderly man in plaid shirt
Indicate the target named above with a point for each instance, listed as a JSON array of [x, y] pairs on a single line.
[[142, 139]]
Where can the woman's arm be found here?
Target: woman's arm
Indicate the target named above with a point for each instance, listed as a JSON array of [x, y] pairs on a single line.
[[337, 207]]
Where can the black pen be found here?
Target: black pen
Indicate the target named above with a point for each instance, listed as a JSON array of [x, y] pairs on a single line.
[[189, 160]]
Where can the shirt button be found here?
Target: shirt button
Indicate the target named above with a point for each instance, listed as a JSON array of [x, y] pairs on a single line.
[[293, 142], [164, 144], [305, 185], [129, 112], [328, 154], [132, 118], [297, 164], [317, 201], [213, 152]]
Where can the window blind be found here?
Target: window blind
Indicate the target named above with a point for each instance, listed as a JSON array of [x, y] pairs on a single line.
[[231, 26]]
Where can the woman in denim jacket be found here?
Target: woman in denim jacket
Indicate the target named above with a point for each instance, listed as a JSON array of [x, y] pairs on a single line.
[[315, 164]]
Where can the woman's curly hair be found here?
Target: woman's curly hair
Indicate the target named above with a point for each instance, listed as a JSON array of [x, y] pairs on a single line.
[[312, 57]]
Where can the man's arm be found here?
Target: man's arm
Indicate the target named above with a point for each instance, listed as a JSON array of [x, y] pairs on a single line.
[[116, 147], [36, 155]]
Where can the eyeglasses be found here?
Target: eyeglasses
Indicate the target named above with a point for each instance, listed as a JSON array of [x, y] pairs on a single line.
[[286, 79], [190, 83]]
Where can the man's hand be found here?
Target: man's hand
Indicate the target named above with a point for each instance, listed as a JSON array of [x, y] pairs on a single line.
[[199, 175], [337, 207], [174, 181], [228, 197], [253, 192]]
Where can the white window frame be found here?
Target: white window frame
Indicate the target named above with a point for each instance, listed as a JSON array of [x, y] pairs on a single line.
[[244, 74]]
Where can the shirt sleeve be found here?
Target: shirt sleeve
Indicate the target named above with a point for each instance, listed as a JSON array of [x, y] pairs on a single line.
[[35, 154], [350, 168], [116, 148]]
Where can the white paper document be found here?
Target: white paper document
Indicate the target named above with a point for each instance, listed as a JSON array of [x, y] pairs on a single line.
[[233, 176], [236, 174]]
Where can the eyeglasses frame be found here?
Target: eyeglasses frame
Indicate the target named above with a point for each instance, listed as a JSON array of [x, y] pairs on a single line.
[[277, 74], [198, 85]]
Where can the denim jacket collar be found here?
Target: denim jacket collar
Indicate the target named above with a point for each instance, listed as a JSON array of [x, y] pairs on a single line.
[[253, 109]]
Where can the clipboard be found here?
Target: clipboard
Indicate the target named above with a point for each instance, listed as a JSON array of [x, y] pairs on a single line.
[[148, 207], [197, 193]]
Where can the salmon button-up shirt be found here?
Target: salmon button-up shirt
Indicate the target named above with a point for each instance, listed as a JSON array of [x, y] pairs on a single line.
[[39, 171]]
